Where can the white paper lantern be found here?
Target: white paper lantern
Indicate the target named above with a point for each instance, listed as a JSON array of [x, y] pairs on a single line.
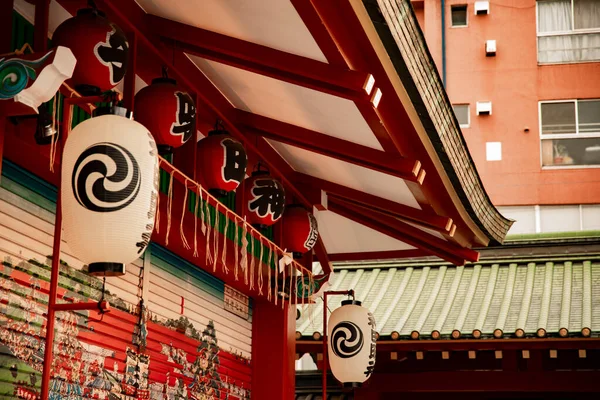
[[351, 338], [109, 192]]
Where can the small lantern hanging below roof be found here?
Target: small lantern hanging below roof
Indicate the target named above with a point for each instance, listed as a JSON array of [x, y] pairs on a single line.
[[167, 111], [351, 338], [109, 192], [221, 161], [300, 232], [100, 47], [264, 199]]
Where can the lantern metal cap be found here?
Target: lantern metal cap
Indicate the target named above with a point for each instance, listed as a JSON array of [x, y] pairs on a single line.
[[113, 110], [218, 131], [351, 302], [106, 269], [164, 79], [258, 172], [352, 385], [87, 11]]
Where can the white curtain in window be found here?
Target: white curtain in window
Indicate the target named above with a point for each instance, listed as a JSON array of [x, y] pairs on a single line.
[[569, 48], [554, 16], [587, 14]]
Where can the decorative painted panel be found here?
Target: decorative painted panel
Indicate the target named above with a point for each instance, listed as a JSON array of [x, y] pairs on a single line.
[[179, 343]]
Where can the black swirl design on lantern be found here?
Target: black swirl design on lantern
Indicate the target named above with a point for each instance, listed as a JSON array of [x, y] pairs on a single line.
[[346, 339], [106, 177]]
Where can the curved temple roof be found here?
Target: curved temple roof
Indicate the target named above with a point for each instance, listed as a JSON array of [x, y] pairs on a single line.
[[496, 299], [340, 100], [404, 41]]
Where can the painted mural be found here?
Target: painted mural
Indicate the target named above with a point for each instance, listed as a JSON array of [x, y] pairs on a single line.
[[122, 354]]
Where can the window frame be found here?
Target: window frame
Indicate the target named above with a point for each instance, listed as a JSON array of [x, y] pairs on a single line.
[[468, 125], [575, 135], [573, 31], [466, 6]]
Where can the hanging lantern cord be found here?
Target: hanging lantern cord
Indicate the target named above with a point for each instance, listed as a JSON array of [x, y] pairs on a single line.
[[92, 5], [165, 71], [219, 125], [100, 309]]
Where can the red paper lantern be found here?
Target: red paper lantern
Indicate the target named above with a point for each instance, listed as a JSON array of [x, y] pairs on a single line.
[[300, 232], [100, 47], [264, 199], [167, 112], [221, 162]]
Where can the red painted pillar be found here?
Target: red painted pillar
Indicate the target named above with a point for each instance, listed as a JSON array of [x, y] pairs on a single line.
[[6, 10], [273, 351], [3, 129], [40, 38]]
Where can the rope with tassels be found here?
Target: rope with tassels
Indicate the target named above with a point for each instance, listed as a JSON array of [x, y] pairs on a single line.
[[210, 229]]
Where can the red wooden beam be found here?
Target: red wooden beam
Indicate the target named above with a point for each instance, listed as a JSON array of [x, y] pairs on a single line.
[[387, 385], [129, 83], [397, 230], [378, 255], [131, 17], [103, 306], [336, 55], [342, 22], [313, 74], [6, 10], [314, 346], [329, 145], [425, 218], [40, 34]]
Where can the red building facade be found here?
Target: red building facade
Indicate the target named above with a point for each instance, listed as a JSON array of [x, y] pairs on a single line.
[[538, 145]]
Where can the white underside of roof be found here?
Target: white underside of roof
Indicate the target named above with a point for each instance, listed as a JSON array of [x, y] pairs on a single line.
[[342, 235], [296, 105], [56, 15], [272, 23], [347, 174]]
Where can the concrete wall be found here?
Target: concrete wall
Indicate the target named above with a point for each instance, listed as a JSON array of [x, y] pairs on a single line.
[[515, 83]]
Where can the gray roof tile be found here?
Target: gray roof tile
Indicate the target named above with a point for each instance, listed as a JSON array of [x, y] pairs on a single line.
[[524, 296]]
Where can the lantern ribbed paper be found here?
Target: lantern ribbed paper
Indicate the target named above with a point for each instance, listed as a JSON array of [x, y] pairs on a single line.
[[221, 162], [168, 112], [351, 337], [109, 191], [100, 47], [300, 232]]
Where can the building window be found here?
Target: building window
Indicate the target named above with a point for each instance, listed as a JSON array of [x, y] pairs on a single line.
[[570, 132], [568, 31], [459, 15], [462, 114], [551, 219]]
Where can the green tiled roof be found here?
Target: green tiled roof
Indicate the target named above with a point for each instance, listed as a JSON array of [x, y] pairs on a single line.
[[520, 298]]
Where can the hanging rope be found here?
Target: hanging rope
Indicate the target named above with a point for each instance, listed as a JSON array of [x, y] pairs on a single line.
[[209, 228], [244, 251], [183, 212], [225, 239], [252, 261], [169, 205], [216, 238], [209, 258], [260, 267], [283, 283], [236, 251], [157, 218], [196, 221], [53, 139], [269, 260]]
